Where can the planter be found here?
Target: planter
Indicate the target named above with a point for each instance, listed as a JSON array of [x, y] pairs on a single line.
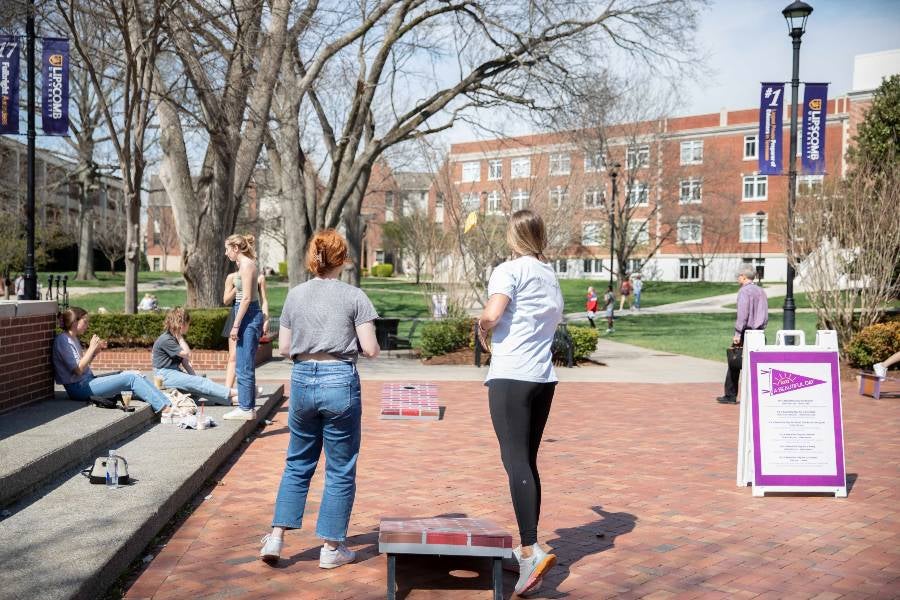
[[123, 359]]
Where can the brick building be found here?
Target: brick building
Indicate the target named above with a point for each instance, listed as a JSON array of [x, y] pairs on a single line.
[[698, 208]]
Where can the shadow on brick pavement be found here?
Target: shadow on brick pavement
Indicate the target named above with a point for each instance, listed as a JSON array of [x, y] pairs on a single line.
[[650, 467]]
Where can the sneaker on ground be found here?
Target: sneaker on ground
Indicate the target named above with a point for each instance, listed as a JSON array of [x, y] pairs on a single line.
[[533, 569], [880, 370], [239, 414], [271, 548], [330, 559]]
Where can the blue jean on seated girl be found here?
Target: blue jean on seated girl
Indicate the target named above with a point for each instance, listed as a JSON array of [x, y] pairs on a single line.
[[195, 384], [120, 382]]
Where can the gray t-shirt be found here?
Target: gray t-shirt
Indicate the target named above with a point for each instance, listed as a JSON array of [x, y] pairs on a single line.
[[166, 351], [322, 315], [67, 354]]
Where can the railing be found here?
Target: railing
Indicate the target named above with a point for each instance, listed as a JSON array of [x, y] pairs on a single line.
[[62, 298]]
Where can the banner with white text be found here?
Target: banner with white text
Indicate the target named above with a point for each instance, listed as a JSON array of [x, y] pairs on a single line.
[[815, 109], [55, 94], [9, 84], [771, 114]]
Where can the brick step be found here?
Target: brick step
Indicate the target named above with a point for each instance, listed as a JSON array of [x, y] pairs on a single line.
[[75, 539], [44, 439]]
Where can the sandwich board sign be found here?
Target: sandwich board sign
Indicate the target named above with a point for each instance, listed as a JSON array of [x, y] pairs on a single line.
[[791, 436]]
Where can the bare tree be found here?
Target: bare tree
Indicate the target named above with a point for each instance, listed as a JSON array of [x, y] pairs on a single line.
[[847, 247], [418, 236]]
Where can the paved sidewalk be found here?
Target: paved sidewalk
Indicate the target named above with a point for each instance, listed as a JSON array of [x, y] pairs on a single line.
[[639, 501]]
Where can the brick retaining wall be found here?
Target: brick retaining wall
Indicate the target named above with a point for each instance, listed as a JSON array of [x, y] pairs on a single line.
[[122, 359], [26, 340]]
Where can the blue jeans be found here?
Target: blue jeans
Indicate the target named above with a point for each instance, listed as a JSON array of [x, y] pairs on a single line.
[[194, 384], [325, 407], [249, 333], [637, 300], [120, 382]]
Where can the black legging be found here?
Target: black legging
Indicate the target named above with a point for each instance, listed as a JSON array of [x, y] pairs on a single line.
[[519, 411]]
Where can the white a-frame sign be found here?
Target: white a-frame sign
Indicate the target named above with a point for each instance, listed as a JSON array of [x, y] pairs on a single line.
[[791, 435]]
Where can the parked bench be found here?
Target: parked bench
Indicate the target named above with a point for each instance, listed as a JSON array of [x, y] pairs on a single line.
[[395, 342], [441, 536]]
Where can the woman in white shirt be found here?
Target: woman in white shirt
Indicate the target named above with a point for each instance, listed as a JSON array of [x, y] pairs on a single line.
[[524, 307]]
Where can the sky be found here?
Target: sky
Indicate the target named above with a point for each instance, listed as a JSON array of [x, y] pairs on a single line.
[[745, 42]]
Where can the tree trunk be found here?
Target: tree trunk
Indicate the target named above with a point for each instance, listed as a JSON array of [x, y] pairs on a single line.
[[85, 242], [132, 245], [354, 229]]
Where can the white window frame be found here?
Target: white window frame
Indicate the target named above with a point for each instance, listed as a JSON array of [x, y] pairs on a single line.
[[594, 161], [690, 230], [637, 194], [638, 231], [594, 198], [389, 206], [519, 200], [692, 152], [694, 188], [494, 203], [520, 167], [561, 265], [749, 229], [754, 181], [495, 169], [471, 171], [439, 208], [560, 163], [751, 139], [559, 196], [592, 265], [692, 266], [595, 238], [637, 157], [810, 184], [470, 201]]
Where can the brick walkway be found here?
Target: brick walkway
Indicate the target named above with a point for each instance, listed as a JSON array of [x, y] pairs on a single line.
[[639, 502]]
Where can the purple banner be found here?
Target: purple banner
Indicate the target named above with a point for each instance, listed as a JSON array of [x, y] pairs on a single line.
[[55, 93], [815, 108], [771, 113], [9, 84]]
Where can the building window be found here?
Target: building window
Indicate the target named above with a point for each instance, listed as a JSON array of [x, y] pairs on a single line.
[[471, 171], [156, 264], [755, 187], [470, 202], [493, 202], [637, 231], [691, 190], [519, 200], [157, 236], [439, 208], [688, 269], [520, 167], [754, 228], [594, 198], [637, 194], [750, 147], [560, 265], [594, 161], [809, 185], [758, 264], [379, 257], [591, 234], [559, 196], [495, 169], [635, 265], [692, 152], [560, 164], [592, 265], [637, 157], [690, 230]]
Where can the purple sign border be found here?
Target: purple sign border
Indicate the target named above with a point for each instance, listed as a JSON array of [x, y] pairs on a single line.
[[838, 480]]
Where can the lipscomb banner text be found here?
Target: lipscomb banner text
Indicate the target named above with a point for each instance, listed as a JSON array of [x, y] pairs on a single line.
[[9, 84], [771, 113], [815, 108], [55, 95]]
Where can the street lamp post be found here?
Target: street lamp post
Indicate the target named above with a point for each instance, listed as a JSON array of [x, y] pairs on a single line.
[[30, 273], [795, 14], [614, 176], [760, 215]]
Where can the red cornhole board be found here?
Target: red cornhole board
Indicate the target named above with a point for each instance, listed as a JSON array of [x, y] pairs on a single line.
[[413, 401], [446, 537]]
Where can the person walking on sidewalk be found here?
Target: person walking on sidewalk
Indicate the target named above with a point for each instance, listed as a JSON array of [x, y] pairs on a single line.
[[322, 322], [752, 313], [609, 306], [524, 307], [624, 291], [248, 325], [637, 284], [591, 305]]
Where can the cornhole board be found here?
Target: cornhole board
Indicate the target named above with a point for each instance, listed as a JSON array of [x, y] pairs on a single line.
[[443, 536], [790, 433], [870, 384], [412, 401]]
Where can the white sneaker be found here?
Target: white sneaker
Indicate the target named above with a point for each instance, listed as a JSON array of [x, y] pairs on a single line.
[[880, 370], [533, 569], [239, 414], [330, 559], [271, 548]]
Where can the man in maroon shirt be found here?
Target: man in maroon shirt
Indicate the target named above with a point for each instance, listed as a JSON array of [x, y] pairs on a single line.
[[752, 313]]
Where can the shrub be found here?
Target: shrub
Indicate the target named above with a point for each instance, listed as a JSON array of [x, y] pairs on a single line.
[[385, 270], [142, 329], [282, 269], [585, 340], [365, 272], [873, 344], [441, 337], [375, 270]]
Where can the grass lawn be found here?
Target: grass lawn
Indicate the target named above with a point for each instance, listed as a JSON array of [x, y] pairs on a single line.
[[106, 279], [653, 294], [704, 336]]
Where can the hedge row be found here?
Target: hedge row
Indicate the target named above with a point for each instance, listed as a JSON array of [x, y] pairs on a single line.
[[385, 270], [141, 330]]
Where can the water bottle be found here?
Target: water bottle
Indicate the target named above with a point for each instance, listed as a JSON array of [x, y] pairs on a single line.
[[112, 470]]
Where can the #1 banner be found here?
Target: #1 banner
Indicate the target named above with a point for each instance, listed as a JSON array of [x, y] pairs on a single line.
[[55, 93], [815, 108], [9, 84], [771, 114]]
